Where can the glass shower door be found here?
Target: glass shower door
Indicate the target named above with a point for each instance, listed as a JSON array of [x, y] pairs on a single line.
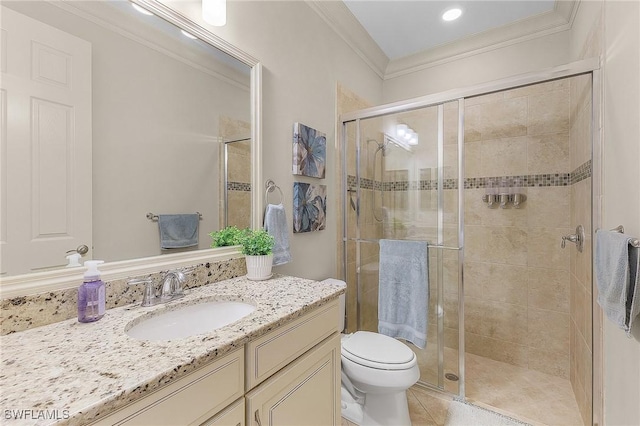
[[401, 188]]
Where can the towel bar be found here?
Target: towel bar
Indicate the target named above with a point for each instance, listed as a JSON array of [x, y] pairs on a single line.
[[634, 241], [154, 217]]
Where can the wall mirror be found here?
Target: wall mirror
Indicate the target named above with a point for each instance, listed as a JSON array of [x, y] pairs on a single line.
[[109, 114]]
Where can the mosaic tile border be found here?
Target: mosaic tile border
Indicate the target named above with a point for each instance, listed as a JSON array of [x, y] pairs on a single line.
[[528, 181], [582, 172], [239, 186]]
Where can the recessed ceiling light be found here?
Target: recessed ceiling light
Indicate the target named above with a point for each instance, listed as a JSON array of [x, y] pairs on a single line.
[[189, 35], [141, 9], [452, 14]]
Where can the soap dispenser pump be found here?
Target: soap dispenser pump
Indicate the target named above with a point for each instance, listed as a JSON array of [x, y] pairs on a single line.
[[91, 294]]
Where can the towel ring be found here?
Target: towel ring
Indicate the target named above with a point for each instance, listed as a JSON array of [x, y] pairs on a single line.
[[271, 186]]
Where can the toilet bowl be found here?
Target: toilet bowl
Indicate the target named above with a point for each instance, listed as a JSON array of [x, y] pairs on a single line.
[[377, 370]]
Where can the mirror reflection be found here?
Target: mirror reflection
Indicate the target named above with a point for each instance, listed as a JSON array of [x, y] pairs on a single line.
[[108, 115]]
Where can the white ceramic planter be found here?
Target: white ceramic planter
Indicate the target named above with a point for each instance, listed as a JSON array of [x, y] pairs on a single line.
[[259, 267]]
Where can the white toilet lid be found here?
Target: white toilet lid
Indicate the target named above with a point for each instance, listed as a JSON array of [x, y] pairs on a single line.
[[377, 351]]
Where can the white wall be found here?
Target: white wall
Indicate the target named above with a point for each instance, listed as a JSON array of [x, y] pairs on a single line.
[[156, 145], [621, 192], [528, 56], [303, 59]]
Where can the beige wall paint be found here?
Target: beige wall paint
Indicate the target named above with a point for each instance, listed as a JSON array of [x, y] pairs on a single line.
[[621, 192], [303, 61]]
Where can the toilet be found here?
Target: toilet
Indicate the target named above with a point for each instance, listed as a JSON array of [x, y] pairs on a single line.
[[377, 370]]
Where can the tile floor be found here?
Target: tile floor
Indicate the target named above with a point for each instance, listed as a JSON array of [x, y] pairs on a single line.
[[526, 395]]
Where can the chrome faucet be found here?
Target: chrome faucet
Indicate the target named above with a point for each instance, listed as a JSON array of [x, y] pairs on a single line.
[[149, 297], [172, 285], [171, 288]]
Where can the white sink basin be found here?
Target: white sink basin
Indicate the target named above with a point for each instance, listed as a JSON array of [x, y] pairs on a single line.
[[190, 320]]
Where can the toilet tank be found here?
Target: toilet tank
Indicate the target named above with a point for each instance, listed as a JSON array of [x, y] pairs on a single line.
[[342, 303]]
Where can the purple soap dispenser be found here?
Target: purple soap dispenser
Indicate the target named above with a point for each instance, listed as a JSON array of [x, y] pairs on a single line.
[[91, 294]]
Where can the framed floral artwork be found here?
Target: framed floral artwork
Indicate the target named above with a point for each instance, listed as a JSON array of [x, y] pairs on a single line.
[[309, 207], [309, 151]]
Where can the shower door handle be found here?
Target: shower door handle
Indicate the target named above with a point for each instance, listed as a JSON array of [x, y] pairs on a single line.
[[577, 238]]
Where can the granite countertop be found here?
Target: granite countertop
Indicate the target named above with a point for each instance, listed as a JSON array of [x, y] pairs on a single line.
[[79, 372]]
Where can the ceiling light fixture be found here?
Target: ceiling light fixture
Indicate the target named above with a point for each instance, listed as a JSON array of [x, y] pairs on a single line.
[[406, 135], [214, 12], [452, 14], [401, 130], [141, 9]]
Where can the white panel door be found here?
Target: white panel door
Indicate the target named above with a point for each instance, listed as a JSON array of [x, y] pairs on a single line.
[[46, 144]]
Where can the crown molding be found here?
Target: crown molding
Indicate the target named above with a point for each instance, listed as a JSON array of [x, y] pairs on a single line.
[[544, 24], [567, 9], [338, 16], [342, 21]]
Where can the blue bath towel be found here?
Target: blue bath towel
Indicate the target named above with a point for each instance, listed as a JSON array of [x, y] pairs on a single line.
[[617, 264], [403, 294], [178, 230], [275, 223]]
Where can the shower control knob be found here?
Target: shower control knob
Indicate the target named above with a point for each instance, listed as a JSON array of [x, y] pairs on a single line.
[[577, 238]]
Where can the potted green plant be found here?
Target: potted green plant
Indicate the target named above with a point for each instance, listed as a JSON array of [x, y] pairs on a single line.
[[257, 246], [229, 236]]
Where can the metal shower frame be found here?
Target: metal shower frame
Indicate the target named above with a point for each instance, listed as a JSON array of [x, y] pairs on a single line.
[[587, 66]]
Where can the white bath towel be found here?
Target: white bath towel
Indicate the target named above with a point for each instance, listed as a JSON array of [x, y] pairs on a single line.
[[617, 264], [275, 223], [403, 294]]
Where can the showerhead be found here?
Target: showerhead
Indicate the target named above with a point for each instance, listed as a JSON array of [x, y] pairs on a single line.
[[381, 146]]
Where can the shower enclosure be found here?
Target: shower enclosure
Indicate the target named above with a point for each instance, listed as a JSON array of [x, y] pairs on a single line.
[[492, 178], [236, 183]]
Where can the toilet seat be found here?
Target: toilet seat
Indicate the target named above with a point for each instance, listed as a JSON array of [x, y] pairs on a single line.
[[377, 351]]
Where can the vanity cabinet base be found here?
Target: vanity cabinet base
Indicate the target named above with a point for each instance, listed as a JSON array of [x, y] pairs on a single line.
[[305, 393]]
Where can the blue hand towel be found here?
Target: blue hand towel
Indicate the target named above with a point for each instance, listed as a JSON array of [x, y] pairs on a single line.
[[178, 230], [403, 294], [275, 223], [617, 264]]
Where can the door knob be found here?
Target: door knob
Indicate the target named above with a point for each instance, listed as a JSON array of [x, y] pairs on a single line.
[[81, 250]]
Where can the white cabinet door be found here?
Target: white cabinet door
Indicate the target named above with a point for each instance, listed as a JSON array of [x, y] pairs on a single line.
[[45, 165], [306, 393]]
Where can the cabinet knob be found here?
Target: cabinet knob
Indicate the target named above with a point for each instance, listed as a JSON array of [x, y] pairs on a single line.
[[257, 416]]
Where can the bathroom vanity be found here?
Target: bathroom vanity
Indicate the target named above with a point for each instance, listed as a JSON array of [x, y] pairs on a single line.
[[278, 365]]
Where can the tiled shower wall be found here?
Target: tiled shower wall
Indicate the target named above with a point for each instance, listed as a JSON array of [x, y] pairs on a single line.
[[239, 173], [517, 276], [581, 325], [580, 265]]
